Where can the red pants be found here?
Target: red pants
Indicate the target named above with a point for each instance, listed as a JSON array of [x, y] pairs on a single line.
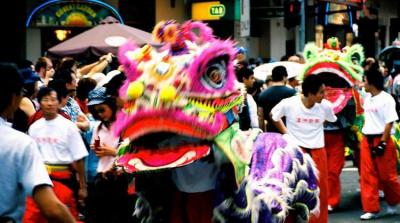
[[334, 145], [320, 160], [64, 194], [377, 171], [192, 207]]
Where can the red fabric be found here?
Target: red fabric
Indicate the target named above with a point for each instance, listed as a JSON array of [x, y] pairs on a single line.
[[357, 100], [64, 194], [61, 175], [320, 160], [32, 213], [39, 114], [199, 207], [377, 171], [131, 188], [82, 105], [334, 145]]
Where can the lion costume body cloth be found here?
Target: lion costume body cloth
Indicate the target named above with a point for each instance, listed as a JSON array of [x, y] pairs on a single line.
[[181, 106]]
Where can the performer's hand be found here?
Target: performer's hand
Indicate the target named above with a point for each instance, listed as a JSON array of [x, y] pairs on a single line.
[[104, 150], [82, 194], [379, 150]]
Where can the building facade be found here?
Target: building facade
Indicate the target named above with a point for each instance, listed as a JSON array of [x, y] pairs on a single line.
[[258, 25]]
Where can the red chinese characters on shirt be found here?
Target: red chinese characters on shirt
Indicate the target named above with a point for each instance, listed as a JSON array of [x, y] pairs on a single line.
[[48, 139], [308, 120]]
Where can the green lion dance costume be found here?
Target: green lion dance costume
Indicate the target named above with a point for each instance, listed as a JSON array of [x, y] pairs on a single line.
[[181, 107], [340, 70]]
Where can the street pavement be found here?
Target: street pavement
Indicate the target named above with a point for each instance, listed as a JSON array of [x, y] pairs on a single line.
[[350, 206]]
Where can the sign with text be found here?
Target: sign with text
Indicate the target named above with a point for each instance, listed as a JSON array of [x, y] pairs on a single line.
[[217, 10], [70, 14], [208, 10], [244, 18]]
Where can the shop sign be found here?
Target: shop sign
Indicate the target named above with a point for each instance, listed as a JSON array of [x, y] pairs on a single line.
[[217, 10], [69, 14], [208, 10]]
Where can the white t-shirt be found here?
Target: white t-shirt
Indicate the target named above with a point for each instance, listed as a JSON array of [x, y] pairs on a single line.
[[303, 124], [379, 110], [59, 140], [252, 111], [22, 170], [107, 138]]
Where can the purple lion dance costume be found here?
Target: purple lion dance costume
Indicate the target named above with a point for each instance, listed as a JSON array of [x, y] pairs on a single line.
[[181, 105]]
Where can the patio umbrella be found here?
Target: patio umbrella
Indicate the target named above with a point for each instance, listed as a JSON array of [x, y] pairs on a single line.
[[101, 39], [391, 54], [293, 69]]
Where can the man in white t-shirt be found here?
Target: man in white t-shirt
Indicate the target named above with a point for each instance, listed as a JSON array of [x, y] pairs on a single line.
[[60, 144], [378, 153], [305, 115], [23, 172]]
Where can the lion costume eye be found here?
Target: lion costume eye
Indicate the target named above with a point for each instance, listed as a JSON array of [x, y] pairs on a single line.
[[215, 74]]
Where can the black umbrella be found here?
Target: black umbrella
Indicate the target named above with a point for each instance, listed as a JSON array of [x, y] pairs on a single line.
[[390, 54]]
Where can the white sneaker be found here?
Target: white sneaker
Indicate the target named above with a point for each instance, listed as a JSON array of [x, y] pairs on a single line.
[[381, 194], [368, 216], [330, 208], [391, 210]]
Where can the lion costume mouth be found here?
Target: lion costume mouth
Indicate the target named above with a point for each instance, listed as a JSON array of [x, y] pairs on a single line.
[[166, 140], [163, 150], [339, 68], [338, 83]]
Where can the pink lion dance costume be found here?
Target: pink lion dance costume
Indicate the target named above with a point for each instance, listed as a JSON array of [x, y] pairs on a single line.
[[181, 107]]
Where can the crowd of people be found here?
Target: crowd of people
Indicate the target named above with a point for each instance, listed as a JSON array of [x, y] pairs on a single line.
[[68, 110]]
